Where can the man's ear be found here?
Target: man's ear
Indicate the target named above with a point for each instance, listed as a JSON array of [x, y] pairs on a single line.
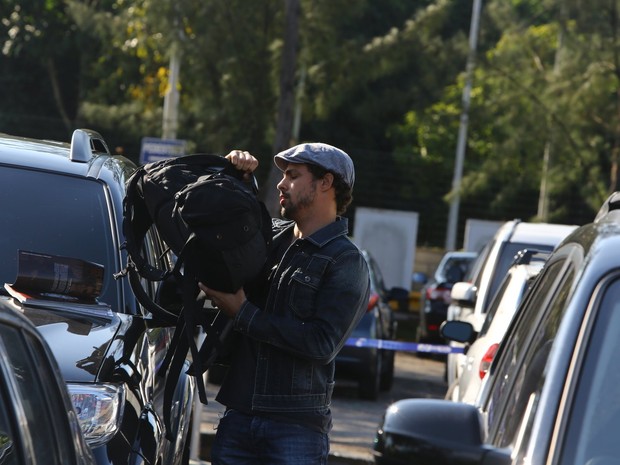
[[327, 181]]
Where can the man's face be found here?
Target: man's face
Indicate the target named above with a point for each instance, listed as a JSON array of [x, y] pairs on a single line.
[[297, 191]]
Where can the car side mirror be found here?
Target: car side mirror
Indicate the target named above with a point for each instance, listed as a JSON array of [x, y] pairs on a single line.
[[458, 331], [434, 431]]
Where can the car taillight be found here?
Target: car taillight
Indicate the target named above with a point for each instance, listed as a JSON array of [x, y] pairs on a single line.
[[372, 301], [485, 363], [438, 293]]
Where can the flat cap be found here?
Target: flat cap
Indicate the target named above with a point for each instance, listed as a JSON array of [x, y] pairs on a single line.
[[317, 153]]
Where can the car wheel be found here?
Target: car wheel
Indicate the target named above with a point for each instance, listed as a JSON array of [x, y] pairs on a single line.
[[387, 376], [369, 385]]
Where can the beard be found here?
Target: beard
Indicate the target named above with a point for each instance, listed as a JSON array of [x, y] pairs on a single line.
[[291, 208]]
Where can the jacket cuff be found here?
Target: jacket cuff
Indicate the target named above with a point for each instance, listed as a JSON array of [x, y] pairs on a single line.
[[244, 317]]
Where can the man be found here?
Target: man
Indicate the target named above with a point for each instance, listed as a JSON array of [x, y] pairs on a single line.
[[295, 319]]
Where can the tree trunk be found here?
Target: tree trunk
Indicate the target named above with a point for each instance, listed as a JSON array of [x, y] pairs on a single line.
[[286, 103], [51, 71]]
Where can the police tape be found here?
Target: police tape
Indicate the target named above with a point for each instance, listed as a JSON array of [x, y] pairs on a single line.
[[403, 346]]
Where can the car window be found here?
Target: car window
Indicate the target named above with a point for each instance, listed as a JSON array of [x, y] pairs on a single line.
[[44, 418], [524, 360], [10, 453], [71, 220], [592, 435], [475, 272], [376, 277], [454, 270], [495, 304], [507, 372], [504, 262]]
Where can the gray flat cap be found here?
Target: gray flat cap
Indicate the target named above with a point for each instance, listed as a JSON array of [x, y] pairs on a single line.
[[326, 156]]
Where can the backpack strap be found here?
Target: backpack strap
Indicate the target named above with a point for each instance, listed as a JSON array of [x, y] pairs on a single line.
[[136, 222]]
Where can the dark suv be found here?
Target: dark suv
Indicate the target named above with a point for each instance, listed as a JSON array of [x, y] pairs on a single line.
[[553, 389], [67, 200], [370, 366]]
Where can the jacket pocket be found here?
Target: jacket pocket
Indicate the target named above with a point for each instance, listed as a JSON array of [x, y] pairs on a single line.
[[305, 284]]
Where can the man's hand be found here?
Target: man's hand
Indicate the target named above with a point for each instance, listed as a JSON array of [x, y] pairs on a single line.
[[243, 161], [230, 304]]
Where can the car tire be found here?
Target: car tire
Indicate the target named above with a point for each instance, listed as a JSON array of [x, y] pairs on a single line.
[[370, 385], [387, 375]]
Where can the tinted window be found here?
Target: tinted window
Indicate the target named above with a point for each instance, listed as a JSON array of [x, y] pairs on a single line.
[[10, 443], [45, 417], [62, 216], [524, 354], [454, 270], [475, 272], [495, 304], [595, 411], [504, 262]]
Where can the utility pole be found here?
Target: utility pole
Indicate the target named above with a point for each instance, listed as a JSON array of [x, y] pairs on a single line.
[[170, 121], [462, 136]]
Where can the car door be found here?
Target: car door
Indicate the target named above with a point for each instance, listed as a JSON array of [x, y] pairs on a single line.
[[517, 379]]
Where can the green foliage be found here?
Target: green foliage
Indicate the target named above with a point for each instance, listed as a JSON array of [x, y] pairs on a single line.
[[384, 80]]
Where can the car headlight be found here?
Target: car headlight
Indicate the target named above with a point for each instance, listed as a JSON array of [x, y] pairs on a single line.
[[99, 409]]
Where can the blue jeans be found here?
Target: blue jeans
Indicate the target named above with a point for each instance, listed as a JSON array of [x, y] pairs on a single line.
[[253, 440]]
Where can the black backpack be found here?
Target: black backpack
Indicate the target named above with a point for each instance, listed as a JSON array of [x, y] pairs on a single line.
[[220, 233]]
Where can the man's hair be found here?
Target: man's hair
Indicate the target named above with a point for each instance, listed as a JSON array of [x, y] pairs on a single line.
[[344, 194]]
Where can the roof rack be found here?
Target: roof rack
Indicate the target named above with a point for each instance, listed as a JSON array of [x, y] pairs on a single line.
[[85, 143], [526, 256], [612, 203]]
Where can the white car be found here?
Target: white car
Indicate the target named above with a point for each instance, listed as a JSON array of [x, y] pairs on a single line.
[[470, 299], [479, 355]]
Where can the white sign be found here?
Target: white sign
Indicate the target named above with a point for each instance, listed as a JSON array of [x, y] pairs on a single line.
[[390, 236]]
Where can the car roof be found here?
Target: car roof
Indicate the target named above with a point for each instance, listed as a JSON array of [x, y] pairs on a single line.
[[541, 233], [85, 156]]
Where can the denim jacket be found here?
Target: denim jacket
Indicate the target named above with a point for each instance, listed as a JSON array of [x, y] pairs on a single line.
[[317, 294]]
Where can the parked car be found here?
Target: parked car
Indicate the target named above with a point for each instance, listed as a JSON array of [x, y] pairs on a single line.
[[435, 295], [480, 347], [471, 298], [67, 200], [552, 395], [371, 367], [38, 424]]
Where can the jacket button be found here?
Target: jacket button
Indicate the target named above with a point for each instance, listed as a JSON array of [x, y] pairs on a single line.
[[307, 279]]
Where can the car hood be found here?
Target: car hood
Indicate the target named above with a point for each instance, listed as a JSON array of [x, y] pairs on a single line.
[[81, 341]]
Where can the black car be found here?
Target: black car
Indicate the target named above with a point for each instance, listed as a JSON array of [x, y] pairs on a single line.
[[38, 424], [551, 395], [66, 200], [435, 295], [370, 366]]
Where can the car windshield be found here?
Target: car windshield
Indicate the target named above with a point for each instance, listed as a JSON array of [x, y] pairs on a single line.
[[454, 269], [70, 219]]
